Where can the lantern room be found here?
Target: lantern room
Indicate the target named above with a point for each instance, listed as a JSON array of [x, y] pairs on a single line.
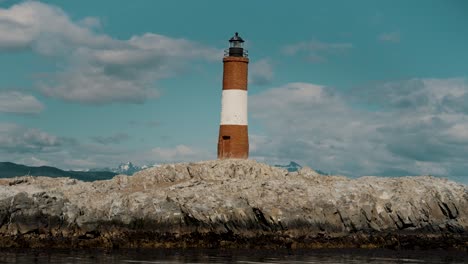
[[236, 47]]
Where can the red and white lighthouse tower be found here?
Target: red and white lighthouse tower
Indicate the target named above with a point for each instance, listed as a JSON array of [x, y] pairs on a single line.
[[233, 141]]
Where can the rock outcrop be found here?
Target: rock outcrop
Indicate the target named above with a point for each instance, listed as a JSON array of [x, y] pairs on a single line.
[[233, 203]]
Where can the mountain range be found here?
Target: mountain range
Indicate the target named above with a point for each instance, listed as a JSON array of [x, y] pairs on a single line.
[[294, 166], [127, 168], [9, 170]]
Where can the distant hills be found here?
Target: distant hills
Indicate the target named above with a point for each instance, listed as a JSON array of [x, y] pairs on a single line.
[[9, 170], [127, 168]]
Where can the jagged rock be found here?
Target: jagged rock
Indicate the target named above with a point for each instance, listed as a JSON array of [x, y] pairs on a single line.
[[233, 203]]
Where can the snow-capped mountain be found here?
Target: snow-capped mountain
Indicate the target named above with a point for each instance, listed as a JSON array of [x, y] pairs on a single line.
[[293, 166], [127, 168]]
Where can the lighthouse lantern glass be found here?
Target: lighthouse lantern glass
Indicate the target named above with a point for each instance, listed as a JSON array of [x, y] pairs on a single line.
[[236, 44]]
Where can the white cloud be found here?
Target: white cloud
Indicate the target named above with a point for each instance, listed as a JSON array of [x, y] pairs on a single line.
[[16, 102], [98, 69], [390, 37], [176, 154], [34, 147], [38, 25], [112, 139], [90, 22], [32, 161], [80, 164], [92, 85], [317, 51], [458, 133], [18, 139], [261, 72], [323, 128]]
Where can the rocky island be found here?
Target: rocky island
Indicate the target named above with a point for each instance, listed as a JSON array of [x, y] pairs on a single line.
[[233, 204]]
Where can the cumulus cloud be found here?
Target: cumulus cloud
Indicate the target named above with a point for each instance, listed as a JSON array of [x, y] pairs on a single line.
[[261, 72], [390, 37], [43, 28], [18, 139], [16, 102], [98, 69], [33, 161], [316, 51], [90, 85], [34, 147], [413, 128], [90, 22], [176, 154], [116, 138]]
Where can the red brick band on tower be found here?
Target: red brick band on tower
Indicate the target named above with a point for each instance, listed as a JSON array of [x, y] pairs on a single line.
[[233, 140], [235, 72]]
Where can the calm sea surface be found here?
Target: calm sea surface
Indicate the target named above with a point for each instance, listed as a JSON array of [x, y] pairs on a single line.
[[232, 256]]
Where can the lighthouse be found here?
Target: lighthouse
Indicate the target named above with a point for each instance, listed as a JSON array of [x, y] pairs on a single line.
[[233, 140]]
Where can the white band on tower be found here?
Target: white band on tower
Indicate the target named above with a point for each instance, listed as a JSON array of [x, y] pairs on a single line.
[[234, 107]]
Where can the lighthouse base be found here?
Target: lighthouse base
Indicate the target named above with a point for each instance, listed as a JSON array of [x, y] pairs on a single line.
[[233, 142]]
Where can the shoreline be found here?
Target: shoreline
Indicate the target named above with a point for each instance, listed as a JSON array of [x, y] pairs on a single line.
[[151, 240]]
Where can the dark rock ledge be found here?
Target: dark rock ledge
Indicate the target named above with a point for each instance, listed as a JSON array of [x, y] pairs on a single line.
[[233, 204]]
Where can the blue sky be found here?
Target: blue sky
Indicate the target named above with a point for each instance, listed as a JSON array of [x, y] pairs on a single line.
[[354, 88]]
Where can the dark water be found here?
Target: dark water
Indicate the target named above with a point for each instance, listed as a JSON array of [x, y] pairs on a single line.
[[232, 256]]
